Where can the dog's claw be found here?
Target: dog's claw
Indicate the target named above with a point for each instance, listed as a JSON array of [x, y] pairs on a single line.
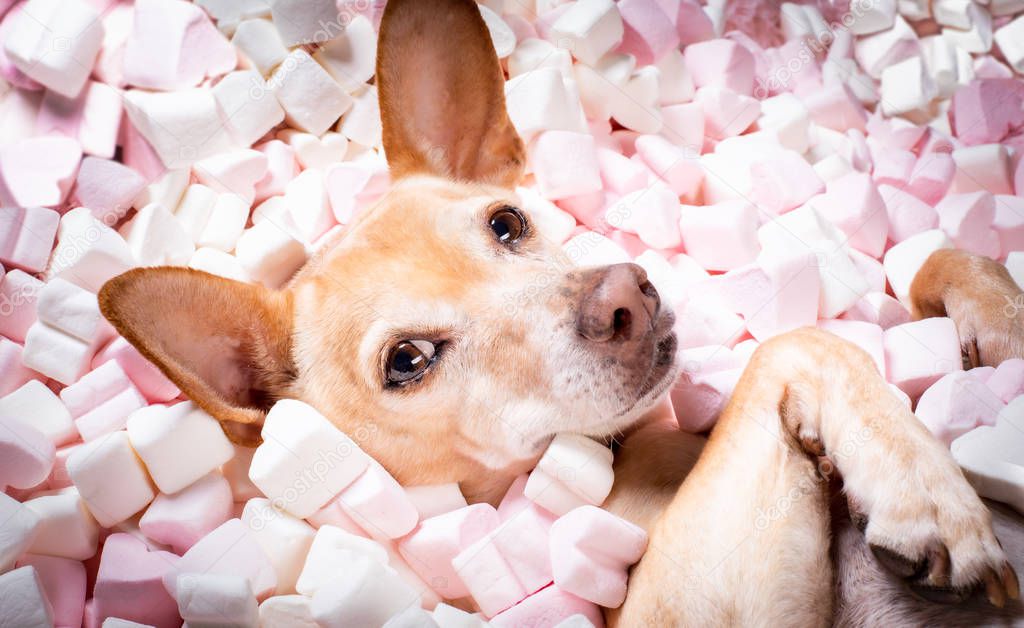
[[1011, 582], [994, 590]]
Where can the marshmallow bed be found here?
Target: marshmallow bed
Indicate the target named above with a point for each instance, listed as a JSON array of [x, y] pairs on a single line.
[[769, 166]]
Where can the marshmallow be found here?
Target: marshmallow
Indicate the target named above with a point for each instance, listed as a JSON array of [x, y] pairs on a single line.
[[726, 113], [565, 164], [488, 577], [705, 229], [285, 540], [908, 215], [982, 168], [23, 599], [1007, 382], [223, 600], [157, 238], [967, 219], [867, 336], [19, 531], [230, 549], [880, 50], [166, 191], [709, 375], [227, 220], [312, 100], [651, 213], [38, 171], [308, 204], [13, 373], [1008, 223], [548, 606], [1009, 38], [573, 471], [956, 404], [784, 182], [107, 188], [430, 548], [178, 444], [835, 107], [247, 105], [268, 254], [332, 547], [788, 118], [306, 21], [258, 40], [539, 101], [931, 177], [316, 152], [721, 63], [28, 237], [233, 172], [111, 479], [679, 167], [435, 499], [179, 520], [903, 260], [451, 617], [198, 128], [294, 436], [906, 86], [287, 611], [63, 584], [18, 293], [991, 460], [351, 56], [34, 404], [153, 384], [590, 29], [366, 593], [647, 32], [93, 118], [174, 45], [27, 453], [976, 113], [917, 354], [592, 551], [218, 263], [973, 33], [413, 617], [66, 527], [129, 583], [378, 504], [853, 204], [55, 43]]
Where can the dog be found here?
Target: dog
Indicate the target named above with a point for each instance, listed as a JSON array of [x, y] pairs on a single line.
[[400, 323]]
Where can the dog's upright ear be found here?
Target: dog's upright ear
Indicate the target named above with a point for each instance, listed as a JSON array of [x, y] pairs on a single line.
[[442, 98], [226, 344]]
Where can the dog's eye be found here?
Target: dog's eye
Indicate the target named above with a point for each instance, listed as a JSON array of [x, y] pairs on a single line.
[[508, 224], [408, 361]]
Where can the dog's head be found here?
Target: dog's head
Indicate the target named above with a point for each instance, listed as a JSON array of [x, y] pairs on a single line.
[[443, 331]]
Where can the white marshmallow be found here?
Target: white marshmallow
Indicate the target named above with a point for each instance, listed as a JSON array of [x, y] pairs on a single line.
[[55, 42], [216, 601], [312, 100], [366, 593], [976, 38], [539, 101], [218, 263], [436, 499], [789, 119], [333, 547], [166, 191], [306, 21], [598, 84], [66, 527], [1010, 39], [227, 221], [182, 126], [18, 532], [157, 238], [298, 442], [259, 42], [873, 17], [589, 29], [316, 152], [287, 611], [903, 260], [195, 209], [362, 123], [233, 172], [412, 617], [88, 252], [268, 254], [351, 57], [23, 599], [285, 539], [34, 404], [248, 106], [178, 444], [906, 86], [307, 202], [573, 471], [502, 36], [110, 477], [635, 106]]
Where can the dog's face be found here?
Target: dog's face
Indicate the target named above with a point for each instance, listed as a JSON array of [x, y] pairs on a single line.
[[443, 331]]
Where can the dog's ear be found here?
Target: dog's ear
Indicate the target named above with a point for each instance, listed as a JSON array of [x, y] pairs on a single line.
[[442, 98], [226, 344]]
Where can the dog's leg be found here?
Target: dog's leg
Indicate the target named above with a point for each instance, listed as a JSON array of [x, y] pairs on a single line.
[[980, 296], [745, 539]]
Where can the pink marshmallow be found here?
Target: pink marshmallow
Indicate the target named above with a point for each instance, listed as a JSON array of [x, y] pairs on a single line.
[[18, 293], [565, 165], [281, 168], [1009, 222], [981, 113], [967, 220], [704, 320], [932, 176], [651, 213], [878, 308], [709, 376], [867, 336], [94, 388], [229, 549], [692, 22], [908, 215], [917, 354], [181, 519], [854, 205], [1007, 381], [895, 132], [378, 504], [26, 237], [26, 454], [430, 548], [835, 107], [684, 125], [152, 383], [110, 416], [722, 63], [619, 174], [174, 45], [107, 188], [63, 583], [783, 182], [721, 236], [488, 576], [678, 166], [548, 607], [93, 118], [129, 583], [985, 167], [38, 171], [13, 373], [647, 32], [726, 113], [591, 553], [956, 404], [138, 154]]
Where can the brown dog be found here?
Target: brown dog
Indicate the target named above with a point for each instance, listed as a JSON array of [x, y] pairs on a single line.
[[401, 325]]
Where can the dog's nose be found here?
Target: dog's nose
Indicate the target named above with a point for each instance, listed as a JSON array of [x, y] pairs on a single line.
[[618, 304]]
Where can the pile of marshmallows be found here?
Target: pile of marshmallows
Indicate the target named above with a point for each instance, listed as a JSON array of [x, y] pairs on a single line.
[[236, 136]]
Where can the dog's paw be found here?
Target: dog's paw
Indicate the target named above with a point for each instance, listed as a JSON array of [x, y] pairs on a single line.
[[940, 541]]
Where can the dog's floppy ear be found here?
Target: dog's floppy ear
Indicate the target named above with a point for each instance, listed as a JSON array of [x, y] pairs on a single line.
[[442, 98], [226, 344]]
